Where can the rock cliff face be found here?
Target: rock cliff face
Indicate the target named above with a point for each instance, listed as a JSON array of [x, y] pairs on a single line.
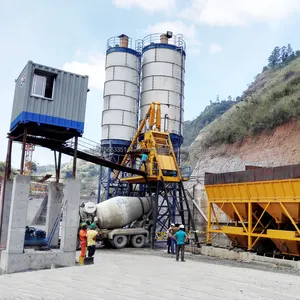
[[278, 148]]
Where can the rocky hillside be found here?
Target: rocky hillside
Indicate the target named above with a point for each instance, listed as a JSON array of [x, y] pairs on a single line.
[[261, 130]]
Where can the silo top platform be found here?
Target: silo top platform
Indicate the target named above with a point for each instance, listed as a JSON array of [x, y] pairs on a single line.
[[50, 102]]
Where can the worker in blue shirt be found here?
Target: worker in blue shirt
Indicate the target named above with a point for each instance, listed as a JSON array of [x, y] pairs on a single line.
[[144, 160], [180, 237]]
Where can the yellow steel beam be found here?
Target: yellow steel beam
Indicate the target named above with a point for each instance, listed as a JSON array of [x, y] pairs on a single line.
[[261, 216], [265, 235], [216, 218], [262, 232], [221, 200], [209, 222], [238, 214], [249, 225], [290, 217]]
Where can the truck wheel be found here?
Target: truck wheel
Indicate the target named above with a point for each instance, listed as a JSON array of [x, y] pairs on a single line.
[[138, 241], [120, 241]]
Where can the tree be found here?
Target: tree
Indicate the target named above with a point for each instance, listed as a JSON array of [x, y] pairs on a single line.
[[284, 54], [274, 58], [290, 51], [297, 53], [33, 167], [265, 68], [2, 166], [229, 98]]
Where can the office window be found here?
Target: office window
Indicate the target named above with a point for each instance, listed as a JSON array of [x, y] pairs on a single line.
[[43, 84]]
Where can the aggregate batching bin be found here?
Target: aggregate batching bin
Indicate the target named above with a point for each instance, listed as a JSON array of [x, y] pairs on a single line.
[[262, 204], [51, 102]]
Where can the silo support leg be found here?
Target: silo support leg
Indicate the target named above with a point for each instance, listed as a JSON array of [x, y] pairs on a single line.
[[155, 207], [189, 212]]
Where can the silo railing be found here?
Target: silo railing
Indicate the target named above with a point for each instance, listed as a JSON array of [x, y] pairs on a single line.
[[155, 38]]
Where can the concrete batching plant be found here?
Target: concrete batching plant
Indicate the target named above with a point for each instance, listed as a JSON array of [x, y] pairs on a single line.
[[152, 70]]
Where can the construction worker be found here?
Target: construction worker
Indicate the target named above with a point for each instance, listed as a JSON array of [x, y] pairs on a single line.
[[144, 160], [91, 240], [83, 242], [170, 233], [180, 237]]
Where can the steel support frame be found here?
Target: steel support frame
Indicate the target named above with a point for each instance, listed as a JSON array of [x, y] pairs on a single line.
[[251, 228], [172, 198]]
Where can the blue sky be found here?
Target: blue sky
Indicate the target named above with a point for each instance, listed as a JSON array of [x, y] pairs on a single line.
[[228, 43]]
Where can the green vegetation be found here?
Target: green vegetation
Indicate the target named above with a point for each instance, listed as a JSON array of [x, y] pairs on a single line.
[[211, 112], [271, 100]]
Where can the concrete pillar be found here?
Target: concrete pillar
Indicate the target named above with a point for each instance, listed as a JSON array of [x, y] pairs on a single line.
[[70, 220], [55, 196], [6, 211], [18, 215]]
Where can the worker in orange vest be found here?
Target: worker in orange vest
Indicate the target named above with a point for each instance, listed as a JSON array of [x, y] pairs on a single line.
[[83, 242]]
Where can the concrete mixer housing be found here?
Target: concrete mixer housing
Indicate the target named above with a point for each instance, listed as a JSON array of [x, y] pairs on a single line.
[[121, 220]]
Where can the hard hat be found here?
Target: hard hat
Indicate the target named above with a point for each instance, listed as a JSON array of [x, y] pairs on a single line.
[[181, 227], [93, 226], [172, 224], [83, 225]]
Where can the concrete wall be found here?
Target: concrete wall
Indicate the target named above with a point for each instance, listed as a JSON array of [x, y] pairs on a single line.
[[34, 260], [15, 258], [6, 211], [35, 207], [54, 205], [70, 219]]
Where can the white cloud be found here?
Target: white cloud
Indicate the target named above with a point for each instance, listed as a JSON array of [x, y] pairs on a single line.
[[148, 5], [93, 66], [215, 48], [239, 12], [189, 33]]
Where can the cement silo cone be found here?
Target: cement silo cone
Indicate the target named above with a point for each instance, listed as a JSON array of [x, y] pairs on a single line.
[[121, 211]]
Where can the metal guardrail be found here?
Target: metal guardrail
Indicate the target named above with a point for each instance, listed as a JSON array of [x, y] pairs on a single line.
[[154, 38]]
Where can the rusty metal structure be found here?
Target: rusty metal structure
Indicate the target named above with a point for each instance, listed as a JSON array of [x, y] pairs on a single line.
[[263, 206]]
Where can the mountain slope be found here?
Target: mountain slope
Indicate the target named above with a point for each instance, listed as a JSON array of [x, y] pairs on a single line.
[[211, 112], [273, 99]]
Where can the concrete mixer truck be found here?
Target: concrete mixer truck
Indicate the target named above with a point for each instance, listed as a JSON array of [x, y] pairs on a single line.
[[121, 220]]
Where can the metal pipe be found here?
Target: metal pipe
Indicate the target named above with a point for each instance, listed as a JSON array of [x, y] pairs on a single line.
[[99, 184], [108, 182], [23, 151], [75, 156], [58, 167], [155, 204]]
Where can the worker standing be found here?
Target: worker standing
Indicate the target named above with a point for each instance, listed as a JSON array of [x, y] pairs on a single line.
[[91, 240], [170, 233], [144, 160], [83, 242], [180, 237]]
